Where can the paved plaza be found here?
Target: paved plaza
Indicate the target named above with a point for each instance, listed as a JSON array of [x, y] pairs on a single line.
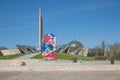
[[59, 65], [36, 69], [60, 75]]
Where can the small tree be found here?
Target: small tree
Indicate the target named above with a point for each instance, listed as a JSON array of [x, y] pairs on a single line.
[[115, 50]]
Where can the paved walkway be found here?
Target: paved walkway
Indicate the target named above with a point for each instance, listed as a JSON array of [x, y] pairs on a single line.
[[59, 65], [36, 69], [60, 75]]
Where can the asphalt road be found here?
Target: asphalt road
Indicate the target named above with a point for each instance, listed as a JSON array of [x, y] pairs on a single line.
[[60, 75]]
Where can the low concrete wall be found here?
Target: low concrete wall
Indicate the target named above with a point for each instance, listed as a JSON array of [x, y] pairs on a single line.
[[10, 51]]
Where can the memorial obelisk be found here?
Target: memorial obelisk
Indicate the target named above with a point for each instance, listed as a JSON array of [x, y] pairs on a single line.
[[40, 30]]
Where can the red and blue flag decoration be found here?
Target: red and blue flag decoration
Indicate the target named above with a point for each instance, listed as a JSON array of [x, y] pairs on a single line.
[[49, 47]]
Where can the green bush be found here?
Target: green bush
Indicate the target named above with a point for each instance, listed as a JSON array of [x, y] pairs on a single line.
[[74, 59]]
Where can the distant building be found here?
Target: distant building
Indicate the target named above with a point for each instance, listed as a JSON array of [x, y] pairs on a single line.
[[10, 51], [73, 47], [2, 48], [20, 49], [27, 49], [76, 48], [96, 52]]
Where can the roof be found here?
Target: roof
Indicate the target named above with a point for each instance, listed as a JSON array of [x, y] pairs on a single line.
[[75, 43]]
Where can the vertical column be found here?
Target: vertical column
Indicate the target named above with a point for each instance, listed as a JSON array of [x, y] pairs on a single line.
[[40, 30]]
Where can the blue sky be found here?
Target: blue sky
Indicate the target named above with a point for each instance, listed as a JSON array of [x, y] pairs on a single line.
[[88, 21]]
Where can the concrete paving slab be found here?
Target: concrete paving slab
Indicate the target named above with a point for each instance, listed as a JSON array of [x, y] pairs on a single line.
[[60, 75]]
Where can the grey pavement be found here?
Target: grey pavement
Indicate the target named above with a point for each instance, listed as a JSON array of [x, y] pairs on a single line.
[[39, 69], [59, 65], [59, 75]]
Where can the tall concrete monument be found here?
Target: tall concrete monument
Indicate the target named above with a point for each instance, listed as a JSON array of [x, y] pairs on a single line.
[[40, 30]]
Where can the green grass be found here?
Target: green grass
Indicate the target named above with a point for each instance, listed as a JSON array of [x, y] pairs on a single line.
[[70, 57], [86, 58], [67, 57], [64, 56], [10, 56], [39, 56]]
